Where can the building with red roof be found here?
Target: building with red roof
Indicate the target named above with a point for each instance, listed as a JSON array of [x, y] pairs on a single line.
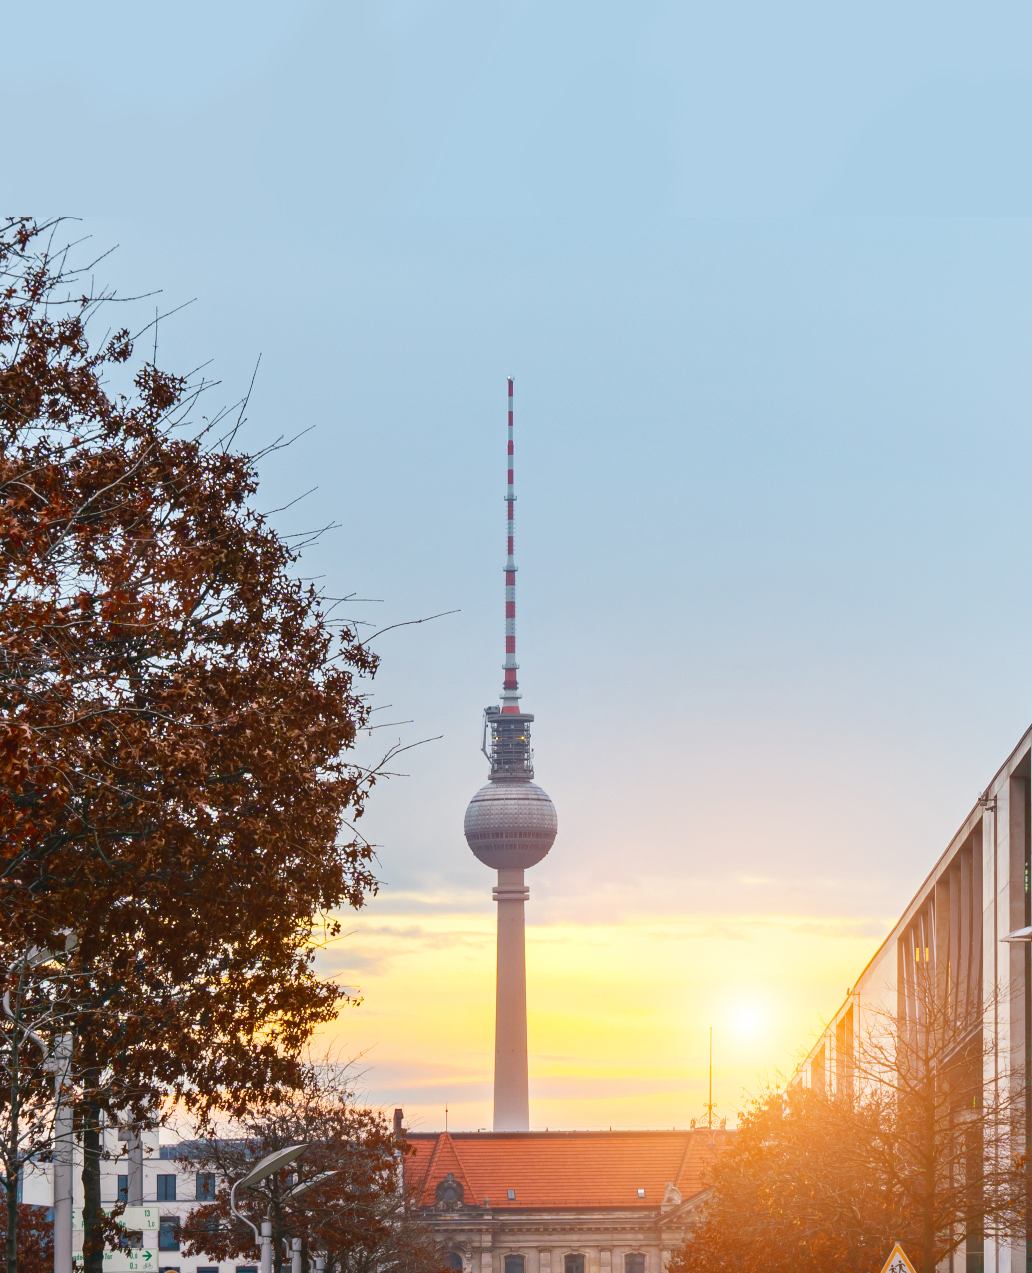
[[559, 1202]]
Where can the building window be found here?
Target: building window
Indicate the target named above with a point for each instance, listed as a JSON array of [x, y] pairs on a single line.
[[166, 1188], [123, 1188], [574, 1264], [168, 1233], [215, 1270], [512, 1194], [641, 1194], [515, 1264], [246, 1268], [452, 1260], [632, 1263], [205, 1186]]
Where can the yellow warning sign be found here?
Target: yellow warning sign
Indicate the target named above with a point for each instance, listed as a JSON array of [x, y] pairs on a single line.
[[898, 1262]]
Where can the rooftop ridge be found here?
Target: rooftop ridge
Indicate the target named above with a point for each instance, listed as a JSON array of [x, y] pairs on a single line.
[[588, 1131]]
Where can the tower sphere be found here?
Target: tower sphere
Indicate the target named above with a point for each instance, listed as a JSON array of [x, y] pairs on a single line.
[[510, 824]]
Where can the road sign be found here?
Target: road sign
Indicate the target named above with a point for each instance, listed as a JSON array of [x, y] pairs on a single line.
[[140, 1218], [135, 1219], [144, 1260], [896, 1263]]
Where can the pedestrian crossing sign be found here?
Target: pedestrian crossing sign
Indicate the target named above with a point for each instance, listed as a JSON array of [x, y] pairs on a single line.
[[898, 1262]]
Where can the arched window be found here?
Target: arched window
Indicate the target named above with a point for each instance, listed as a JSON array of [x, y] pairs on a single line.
[[452, 1260], [515, 1264], [634, 1263], [574, 1264]]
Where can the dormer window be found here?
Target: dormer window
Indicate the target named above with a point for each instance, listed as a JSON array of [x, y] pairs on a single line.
[[449, 1193]]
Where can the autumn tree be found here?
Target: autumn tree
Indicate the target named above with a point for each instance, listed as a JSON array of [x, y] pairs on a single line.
[[911, 1146], [176, 713], [353, 1210], [35, 1238]]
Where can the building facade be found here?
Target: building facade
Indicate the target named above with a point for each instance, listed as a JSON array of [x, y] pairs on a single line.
[[962, 936], [559, 1202], [162, 1179]]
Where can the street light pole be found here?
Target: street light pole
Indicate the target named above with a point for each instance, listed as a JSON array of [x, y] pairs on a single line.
[[268, 1166], [60, 1060], [57, 1060]]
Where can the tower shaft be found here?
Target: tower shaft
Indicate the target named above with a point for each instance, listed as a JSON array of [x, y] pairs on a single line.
[[511, 1088]]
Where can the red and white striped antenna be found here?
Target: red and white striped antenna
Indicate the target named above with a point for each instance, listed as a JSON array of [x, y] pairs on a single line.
[[510, 686]]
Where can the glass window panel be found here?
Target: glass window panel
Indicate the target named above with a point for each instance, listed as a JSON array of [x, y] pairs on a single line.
[[168, 1233]]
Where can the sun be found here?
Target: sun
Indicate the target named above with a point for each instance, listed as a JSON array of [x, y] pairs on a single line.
[[747, 1019]]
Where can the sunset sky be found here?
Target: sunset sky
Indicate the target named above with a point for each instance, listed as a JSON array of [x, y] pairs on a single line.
[[764, 289]]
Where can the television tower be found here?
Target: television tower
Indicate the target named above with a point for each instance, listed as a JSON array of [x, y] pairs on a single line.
[[510, 825]]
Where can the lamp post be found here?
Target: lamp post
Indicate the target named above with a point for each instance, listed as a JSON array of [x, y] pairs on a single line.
[[57, 1060], [299, 1188], [268, 1166]]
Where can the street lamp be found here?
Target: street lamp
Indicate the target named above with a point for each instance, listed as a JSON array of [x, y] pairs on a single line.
[[270, 1164], [312, 1180]]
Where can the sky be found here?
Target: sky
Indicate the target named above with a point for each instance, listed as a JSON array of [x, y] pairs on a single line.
[[762, 276]]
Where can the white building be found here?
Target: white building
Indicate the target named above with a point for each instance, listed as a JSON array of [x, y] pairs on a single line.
[[170, 1187], [976, 895]]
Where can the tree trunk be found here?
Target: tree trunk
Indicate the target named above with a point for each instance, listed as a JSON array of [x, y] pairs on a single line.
[[13, 1164], [92, 1236], [12, 1219], [276, 1215], [928, 1202]]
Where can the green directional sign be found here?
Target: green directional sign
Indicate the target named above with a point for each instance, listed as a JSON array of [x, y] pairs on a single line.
[[135, 1219], [143, 1261], [140, 1218]]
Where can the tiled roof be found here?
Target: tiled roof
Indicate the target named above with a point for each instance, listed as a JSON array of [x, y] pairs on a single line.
[[562, 1169]]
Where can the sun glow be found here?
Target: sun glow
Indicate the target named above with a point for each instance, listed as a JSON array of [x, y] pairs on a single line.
[[619, 1014]]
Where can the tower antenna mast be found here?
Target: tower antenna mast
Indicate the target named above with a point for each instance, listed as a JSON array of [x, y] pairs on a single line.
[[510, 825], [510, 686]]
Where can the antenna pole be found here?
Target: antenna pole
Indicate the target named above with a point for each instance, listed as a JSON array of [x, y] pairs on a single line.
[[510, 687]]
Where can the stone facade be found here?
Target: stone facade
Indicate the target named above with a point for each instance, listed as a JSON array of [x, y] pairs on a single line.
[[560, 1202]]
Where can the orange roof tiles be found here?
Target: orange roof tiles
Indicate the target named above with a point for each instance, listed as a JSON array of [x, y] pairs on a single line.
[[562, 1169]]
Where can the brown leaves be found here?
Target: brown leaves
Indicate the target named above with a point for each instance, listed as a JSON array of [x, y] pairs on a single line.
[[175, 714], [354, 1215]]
